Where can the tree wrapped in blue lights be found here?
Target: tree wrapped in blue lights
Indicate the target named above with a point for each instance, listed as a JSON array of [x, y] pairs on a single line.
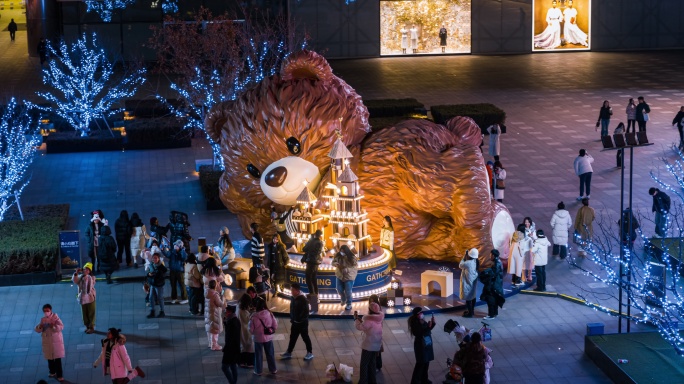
[[649, 272], [18, 141], [105, 8], [85, 84], [216, 58]]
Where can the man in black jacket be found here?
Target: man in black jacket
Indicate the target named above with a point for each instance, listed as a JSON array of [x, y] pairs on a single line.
[[313, 256], [299, 317], [661, 207]]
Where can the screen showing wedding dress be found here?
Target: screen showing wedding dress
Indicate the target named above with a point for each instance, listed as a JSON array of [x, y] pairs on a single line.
[[561, 25], [418, 27]]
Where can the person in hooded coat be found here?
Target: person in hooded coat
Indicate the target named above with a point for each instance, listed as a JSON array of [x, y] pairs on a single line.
[[213, 322], [561, 222], [106, 253], [371, 343], [50, 328], [115, 360], [92, 234], [540, 251], [231, 349], [468, 290]]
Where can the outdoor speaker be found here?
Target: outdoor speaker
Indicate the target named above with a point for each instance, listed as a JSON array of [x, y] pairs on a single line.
[[631, 138], [619, 140], [643, 139], [607, 142]]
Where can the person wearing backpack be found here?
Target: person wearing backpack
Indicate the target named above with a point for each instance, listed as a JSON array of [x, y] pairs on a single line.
[[262, 326], [474, 359]]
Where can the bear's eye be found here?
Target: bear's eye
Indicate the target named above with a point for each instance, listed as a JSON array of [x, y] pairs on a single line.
[[254, 171], [293, 146]]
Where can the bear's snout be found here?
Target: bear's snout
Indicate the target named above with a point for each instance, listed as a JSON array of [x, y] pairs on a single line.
[[276, 176]]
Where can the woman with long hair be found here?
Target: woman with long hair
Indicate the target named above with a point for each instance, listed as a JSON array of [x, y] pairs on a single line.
[[213, 322], [526, 244], [421, 331], [387, 240], [226, 252], [115, 360], [244, 313], [378, 359], [278, 259], [262, 324], [499, 181], [346, 269], [139, 237]]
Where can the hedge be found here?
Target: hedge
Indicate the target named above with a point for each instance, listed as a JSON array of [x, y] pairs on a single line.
[[484, 114], [64, 142], [31, 245], [393, 107], [159, 133], [209, 180]]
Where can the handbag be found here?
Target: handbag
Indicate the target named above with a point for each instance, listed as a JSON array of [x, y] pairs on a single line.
[[427, 340], [645, 116], [267, 330], [500, 184]]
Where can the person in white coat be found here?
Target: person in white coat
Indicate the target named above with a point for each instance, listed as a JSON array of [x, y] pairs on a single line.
[[583, 170], [468, 291], [499, 181], [540, 250], [526, 245], [561, 222], [494, 132], [516, 257]]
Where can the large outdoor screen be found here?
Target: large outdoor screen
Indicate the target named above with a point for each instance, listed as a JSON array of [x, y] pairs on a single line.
[[561, 25], [417, 27]]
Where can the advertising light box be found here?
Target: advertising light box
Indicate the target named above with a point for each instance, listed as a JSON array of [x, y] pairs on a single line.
[[418, 27]]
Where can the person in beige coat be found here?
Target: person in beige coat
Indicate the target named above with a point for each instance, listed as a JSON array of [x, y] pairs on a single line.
[[584, 226], [244, 313], [213, 316], [50, 328]]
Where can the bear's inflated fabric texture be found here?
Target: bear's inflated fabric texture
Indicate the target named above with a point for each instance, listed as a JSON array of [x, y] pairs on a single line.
[[429, 178]]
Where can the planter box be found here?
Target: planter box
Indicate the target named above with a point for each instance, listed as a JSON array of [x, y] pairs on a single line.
[[66, 142], [159, 133], [28, 279]]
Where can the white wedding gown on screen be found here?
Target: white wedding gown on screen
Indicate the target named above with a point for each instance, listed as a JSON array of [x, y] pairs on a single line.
[[571, 32], [551, 37]]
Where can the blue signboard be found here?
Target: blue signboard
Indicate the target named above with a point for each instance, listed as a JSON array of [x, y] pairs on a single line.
[[70, 249], [367, 280]]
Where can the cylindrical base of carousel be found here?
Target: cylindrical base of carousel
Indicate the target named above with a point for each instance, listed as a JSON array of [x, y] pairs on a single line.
[[373, 276]]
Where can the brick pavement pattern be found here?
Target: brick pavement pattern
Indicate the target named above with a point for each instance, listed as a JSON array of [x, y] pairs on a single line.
[[551, 100]]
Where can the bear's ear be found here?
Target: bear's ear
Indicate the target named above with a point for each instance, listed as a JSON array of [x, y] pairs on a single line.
[[306, 65], [216, 118]]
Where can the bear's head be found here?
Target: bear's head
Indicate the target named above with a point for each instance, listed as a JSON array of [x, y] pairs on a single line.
[[276, 137]]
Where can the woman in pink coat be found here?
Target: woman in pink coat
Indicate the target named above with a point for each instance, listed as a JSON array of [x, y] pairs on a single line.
[[50, 328], [371, 326], [261, 321], [115, 360], [213, 312]]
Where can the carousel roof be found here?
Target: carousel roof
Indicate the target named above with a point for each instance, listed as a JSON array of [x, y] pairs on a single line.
[[347, 176], [339, 151], [306, 196]]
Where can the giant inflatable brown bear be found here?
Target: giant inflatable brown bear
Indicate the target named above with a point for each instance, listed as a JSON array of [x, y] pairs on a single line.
[[429, 178]]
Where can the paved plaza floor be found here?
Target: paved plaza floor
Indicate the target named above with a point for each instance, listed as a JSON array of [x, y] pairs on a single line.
[[552, 103]]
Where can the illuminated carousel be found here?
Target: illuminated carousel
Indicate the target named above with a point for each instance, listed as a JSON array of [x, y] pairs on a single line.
[[338, 214]]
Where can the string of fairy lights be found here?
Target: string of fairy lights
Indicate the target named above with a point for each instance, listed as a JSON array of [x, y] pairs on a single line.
[[18, 141], [663, 309], [80, 75], [205, 90]]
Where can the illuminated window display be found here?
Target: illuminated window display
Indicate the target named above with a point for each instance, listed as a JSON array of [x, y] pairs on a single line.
[[414, 27], [561, 24]]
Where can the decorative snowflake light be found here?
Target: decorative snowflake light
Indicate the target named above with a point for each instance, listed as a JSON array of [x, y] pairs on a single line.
[[83, 82], [407, 301], [18, 141], [390, 303]]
